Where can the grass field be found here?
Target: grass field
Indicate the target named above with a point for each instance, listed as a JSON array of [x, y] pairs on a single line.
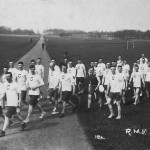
[[14, 47], [95, 122]]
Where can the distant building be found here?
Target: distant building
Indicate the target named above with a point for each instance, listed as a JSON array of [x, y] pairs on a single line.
[[80, 35], [107, 37]]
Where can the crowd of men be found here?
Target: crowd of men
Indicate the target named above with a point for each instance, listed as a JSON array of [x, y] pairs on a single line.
[[111, 80]]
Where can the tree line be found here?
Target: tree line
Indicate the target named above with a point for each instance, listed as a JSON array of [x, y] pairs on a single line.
[[8, 30], [122, 34]]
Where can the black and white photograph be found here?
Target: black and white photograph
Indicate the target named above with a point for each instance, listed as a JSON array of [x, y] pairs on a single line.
[[74, 74]]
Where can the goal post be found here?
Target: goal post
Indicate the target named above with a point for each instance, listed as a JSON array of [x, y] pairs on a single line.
[[130, 44]]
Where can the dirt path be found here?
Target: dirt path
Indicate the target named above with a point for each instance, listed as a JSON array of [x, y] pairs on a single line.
[[51, 133]]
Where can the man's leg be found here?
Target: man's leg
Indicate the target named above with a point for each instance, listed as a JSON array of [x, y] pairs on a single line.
[[123, 96], [23, 98], [147, 84], [89, 100], [109, 99], [6, 123], [136, 96], [63, 110], [30, 109], [119, 109], [41, 110]]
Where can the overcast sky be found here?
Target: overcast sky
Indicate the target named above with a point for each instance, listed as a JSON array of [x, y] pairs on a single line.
[[88, 15]]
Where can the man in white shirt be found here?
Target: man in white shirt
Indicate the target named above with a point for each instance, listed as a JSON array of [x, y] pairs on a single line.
[[105, 81], [147, 80], [5, 70], [143, 57], [137, 79], [80, 75], [12, 69], [53, 85], [123, 82], [40, 70], [66, 89], [39, 67], [55, 66], [21, 77], [72, 71], [126, 69], [10, 89], [34, 82], [100, 68], [119, 61], [114, 91], [142, 67], [32, 62]]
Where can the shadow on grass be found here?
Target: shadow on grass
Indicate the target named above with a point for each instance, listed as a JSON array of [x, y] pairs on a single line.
[[96, 125]]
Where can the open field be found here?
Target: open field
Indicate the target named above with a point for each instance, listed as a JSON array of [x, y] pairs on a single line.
[[93, 49], [95, 122], [13, 47]]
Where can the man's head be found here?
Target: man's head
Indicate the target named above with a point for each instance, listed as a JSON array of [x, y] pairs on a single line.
[[20, 65], [120, 68], [143, 55], [108, 65], [65, 54], [5, 69], [32, 68], [53, 60], [92, 63], [51, 65], [113, 70], [138, 61], [64, 68], [114, 63], [95, 63], [119, 58], [38, 61], [32, 62], [8, 76], [70, 63], [65, 60], [136, 68], [100, 60], [11, 64], [79, 61], [125, 62]]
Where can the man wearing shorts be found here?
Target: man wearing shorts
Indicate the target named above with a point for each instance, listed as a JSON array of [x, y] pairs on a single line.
[[123, 82], [101, 68], [80, 75], [137, 79], [114, 92], [40, 70], [53, 85], [94, 83], [34, 82], [66, 89], [72, 72], [21, 77], [10, 89], [105, 81]]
